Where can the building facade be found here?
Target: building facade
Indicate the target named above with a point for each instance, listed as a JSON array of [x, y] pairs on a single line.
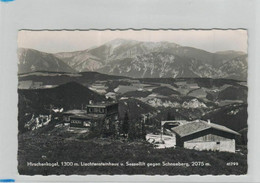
[[202, 135], [66, 115], [105, 113]]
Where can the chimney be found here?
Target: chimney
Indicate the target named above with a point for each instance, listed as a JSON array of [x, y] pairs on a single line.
[[90, 102], [208, 121]]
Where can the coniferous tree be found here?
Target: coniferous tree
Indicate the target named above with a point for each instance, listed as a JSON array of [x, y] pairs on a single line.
[[173, 117], [125, 125], [143, 130], [170, 116], [132, 131]]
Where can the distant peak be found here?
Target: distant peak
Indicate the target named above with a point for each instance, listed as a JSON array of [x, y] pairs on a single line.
[[120, 41], [231, 52], [21, 49]]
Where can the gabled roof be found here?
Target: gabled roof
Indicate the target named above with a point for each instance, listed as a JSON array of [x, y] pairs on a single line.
[[75, 112], [111, 93], [199, 125]]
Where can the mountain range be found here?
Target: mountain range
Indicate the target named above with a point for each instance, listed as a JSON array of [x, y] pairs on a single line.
[[32, 60], [139, 60]]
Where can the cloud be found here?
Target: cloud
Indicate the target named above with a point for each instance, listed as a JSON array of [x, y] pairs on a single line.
[[59, 41]]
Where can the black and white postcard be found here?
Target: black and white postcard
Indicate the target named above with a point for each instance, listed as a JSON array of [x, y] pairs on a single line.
[[132, 102]]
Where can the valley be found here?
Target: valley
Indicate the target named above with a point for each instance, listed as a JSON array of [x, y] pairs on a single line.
[[224, 101], [145, 83]]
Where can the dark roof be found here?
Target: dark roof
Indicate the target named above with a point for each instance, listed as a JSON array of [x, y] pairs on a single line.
[[181, 122], [101, 104], [199, 125], [89, 116], [75, 112]]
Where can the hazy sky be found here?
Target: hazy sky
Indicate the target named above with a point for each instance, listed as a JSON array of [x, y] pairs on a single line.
[[63, 41]]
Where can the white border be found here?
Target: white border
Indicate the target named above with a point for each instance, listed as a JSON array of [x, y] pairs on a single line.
[[122, 14]]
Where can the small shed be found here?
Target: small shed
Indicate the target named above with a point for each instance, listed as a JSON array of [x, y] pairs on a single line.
[[202, 135]]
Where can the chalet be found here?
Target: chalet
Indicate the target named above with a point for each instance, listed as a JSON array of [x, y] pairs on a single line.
[[111, 95], [123, 89], [25, 84], [36, 85], [181, 83], [107, 113], [98, 87], [193, 85], [202, 135], [67, 114]]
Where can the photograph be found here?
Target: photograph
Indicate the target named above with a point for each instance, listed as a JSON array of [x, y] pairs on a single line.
[[132, 102]]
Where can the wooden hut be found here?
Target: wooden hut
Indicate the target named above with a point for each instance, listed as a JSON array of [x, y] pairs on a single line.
[[202, 135]]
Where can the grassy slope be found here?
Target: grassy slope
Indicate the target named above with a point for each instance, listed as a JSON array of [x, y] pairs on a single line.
[[59, 147], [223, 116]]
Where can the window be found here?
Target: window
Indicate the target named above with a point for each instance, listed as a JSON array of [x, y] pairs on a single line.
[[86, 123], [96, 110], [101, 110], [75, 121], [217, 142], [107, 123], [116, 117], [66, 118], [90, 109]]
